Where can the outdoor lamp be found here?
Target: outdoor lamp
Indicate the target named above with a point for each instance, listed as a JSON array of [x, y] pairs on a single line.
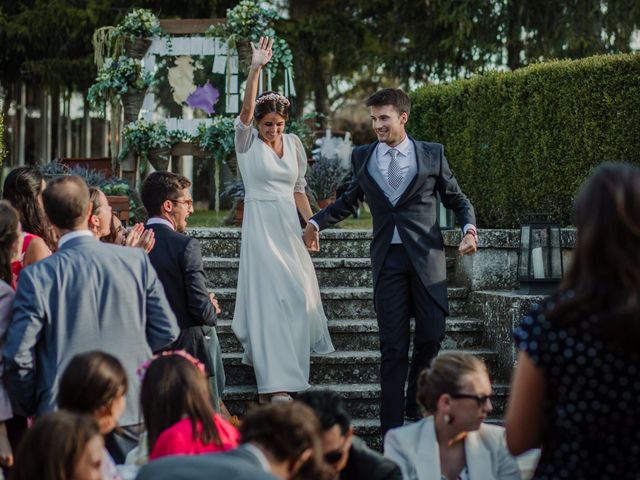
[[539, 256]]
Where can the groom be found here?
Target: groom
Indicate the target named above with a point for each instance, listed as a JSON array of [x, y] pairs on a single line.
[[399, 177]]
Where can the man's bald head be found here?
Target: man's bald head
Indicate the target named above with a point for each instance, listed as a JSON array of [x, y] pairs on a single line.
[[66, 202]]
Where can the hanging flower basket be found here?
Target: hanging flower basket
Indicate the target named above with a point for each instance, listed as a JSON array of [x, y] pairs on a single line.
[[131, 104], [159, 158], [136, 47], [243, 47]]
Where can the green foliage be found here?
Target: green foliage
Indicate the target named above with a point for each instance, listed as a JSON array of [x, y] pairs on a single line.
[[117, 77], [139, 23], [3, 151], [217, 137], [142, 136], [525, 141]]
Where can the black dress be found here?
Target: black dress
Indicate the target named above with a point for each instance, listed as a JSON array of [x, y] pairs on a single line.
[[592, 410]]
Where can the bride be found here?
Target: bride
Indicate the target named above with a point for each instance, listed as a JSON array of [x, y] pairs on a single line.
[[278, 315]]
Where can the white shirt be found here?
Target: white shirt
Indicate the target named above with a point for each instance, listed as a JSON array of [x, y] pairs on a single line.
[[161, 221], [71, 235]]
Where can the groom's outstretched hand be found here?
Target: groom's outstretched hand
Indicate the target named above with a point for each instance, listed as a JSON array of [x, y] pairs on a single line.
[[468, 245], [311, 238]]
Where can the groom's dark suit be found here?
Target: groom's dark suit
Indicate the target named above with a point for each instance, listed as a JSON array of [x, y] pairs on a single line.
[[410, 277]]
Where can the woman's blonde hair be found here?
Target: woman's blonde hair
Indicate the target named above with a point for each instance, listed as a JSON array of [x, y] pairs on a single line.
[[444, 376]]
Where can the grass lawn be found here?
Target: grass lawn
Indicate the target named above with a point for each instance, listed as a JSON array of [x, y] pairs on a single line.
[[209, 218]]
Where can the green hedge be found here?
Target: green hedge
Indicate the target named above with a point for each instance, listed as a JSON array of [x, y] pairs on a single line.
[[524, 141], [2, 148]]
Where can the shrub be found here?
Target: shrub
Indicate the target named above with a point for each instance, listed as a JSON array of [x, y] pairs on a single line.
[[3, 152], [525, 141]]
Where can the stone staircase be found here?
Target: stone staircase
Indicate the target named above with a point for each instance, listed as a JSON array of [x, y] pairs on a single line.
[[344, 275]]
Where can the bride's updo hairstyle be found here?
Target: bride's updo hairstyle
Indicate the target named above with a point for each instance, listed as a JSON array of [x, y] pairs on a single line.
[[271, 102]]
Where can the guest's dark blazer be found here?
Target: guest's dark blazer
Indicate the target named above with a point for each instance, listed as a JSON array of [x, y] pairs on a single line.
[[178, 260], [366, 464], [414, 213], [238, 464]]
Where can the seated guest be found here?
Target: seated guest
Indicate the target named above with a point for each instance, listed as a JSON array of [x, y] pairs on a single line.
[[60, 446], [348, 455], [95, 384], [278, 441], [23, 189], [576, 388], [177, 410], [452, 442], [10, 238], [87, 296]]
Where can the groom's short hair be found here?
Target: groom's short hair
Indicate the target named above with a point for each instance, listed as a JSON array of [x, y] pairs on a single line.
[[390, 96], [159, 187]]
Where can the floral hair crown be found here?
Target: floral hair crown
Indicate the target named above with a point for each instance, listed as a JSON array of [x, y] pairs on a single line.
[[142, 369], [273, 97]]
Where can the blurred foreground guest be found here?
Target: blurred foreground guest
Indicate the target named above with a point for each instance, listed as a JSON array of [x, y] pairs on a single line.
[[23, 189], [278, 441], [349, 456], [60, 446], [95, 384], [107, 227], [452, 442], [88, 296], [9, 248], [577, 384], [177, 410], [178, 260]]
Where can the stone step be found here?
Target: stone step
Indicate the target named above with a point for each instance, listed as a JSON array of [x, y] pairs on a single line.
[[348, 367], [362, 334], [362, 399], [225, 242], [347, 302], [331, 272]]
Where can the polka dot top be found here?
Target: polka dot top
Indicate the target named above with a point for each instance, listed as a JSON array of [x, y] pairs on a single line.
[[593, 399]]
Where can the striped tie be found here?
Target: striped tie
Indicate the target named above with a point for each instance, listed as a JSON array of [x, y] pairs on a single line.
[[394, 176]]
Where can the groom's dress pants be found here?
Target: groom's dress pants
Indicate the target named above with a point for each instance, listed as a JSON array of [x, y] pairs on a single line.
[[400, 295]]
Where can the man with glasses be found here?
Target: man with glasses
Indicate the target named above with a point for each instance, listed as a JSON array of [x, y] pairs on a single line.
[[348, 455], [178, 260]]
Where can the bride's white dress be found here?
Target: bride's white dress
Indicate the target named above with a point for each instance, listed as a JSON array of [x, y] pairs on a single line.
[[278, 315]]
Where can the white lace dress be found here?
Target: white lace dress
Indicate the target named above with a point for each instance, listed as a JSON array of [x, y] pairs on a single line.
[[278, 315]]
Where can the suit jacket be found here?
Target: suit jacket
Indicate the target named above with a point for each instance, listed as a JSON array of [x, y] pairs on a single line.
[[238, 464], [413, 212], [415, 449], [365, 464], [89, 295], [178, 262]]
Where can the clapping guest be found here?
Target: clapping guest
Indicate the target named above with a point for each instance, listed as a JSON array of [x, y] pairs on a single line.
[[104, 227], [452, 442], [177, 410], [60, 446], [23, 189], [95, 384], [577, 383]]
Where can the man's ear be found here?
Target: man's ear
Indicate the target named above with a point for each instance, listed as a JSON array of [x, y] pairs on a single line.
[[404, 118], [295, 465], [167, 206]]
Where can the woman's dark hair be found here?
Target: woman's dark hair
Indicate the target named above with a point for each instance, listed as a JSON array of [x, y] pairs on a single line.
[[604, 277], [21, 188], [52, 447], [90, 381], [444, 376], [113, 231], [9, 223], [173, 389], [278, 104]]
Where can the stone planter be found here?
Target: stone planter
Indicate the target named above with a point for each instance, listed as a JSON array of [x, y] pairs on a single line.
[[159, 158], [137, 47], [120, 207]]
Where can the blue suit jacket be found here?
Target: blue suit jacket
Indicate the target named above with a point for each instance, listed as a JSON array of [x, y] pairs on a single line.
[[87, 296]]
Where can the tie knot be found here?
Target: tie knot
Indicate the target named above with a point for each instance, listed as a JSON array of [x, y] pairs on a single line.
[[393, 152]]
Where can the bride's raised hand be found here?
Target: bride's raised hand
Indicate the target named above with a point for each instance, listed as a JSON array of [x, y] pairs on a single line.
[[262, 53]]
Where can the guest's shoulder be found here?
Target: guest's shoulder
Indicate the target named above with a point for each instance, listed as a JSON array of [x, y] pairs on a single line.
[[492, 435]]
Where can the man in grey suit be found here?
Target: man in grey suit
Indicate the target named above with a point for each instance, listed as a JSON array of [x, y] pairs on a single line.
[[89, 295], [400, 177], [278, 441]]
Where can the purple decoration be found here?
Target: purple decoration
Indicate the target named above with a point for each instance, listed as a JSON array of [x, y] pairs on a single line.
[[204, 98]]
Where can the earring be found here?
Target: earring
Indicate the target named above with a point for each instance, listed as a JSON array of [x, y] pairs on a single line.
[[448, 419]]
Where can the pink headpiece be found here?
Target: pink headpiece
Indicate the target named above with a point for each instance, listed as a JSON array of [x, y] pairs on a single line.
[[142, 369]]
